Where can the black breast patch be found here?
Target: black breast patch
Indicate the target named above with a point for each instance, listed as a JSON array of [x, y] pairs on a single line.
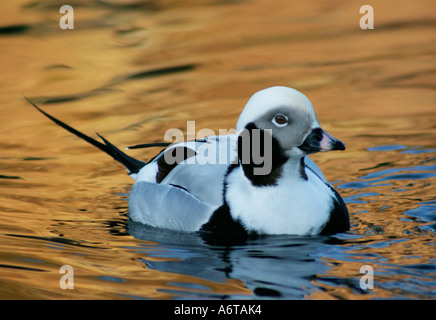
[[339, 220], [222, 229]]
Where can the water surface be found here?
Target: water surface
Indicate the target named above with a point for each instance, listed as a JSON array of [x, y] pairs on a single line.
[[130, 70]]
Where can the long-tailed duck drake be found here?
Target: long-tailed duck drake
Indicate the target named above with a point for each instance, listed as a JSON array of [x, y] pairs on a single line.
[[265, 185]]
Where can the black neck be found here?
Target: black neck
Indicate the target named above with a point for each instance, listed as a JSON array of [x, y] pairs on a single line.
[[252, 148]]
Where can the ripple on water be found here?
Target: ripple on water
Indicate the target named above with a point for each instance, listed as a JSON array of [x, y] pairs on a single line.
[[133, 70]]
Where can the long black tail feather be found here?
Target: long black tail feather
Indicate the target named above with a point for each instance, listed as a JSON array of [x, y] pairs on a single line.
[[132, 165]]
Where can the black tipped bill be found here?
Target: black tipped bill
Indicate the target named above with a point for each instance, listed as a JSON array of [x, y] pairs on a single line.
[[320, 141]]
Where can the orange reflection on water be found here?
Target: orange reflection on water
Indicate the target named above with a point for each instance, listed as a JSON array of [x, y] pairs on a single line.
[[132, 72]]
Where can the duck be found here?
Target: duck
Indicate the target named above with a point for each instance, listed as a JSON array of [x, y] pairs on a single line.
[[255, 182]]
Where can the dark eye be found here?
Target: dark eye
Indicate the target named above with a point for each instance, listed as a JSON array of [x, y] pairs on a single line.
[[280, 120]]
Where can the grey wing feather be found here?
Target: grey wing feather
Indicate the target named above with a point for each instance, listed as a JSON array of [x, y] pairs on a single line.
[[311, 165], [166, 206], [201, 175], [205, 181]]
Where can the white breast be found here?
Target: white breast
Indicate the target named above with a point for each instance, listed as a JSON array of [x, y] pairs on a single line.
[[294, 206]]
